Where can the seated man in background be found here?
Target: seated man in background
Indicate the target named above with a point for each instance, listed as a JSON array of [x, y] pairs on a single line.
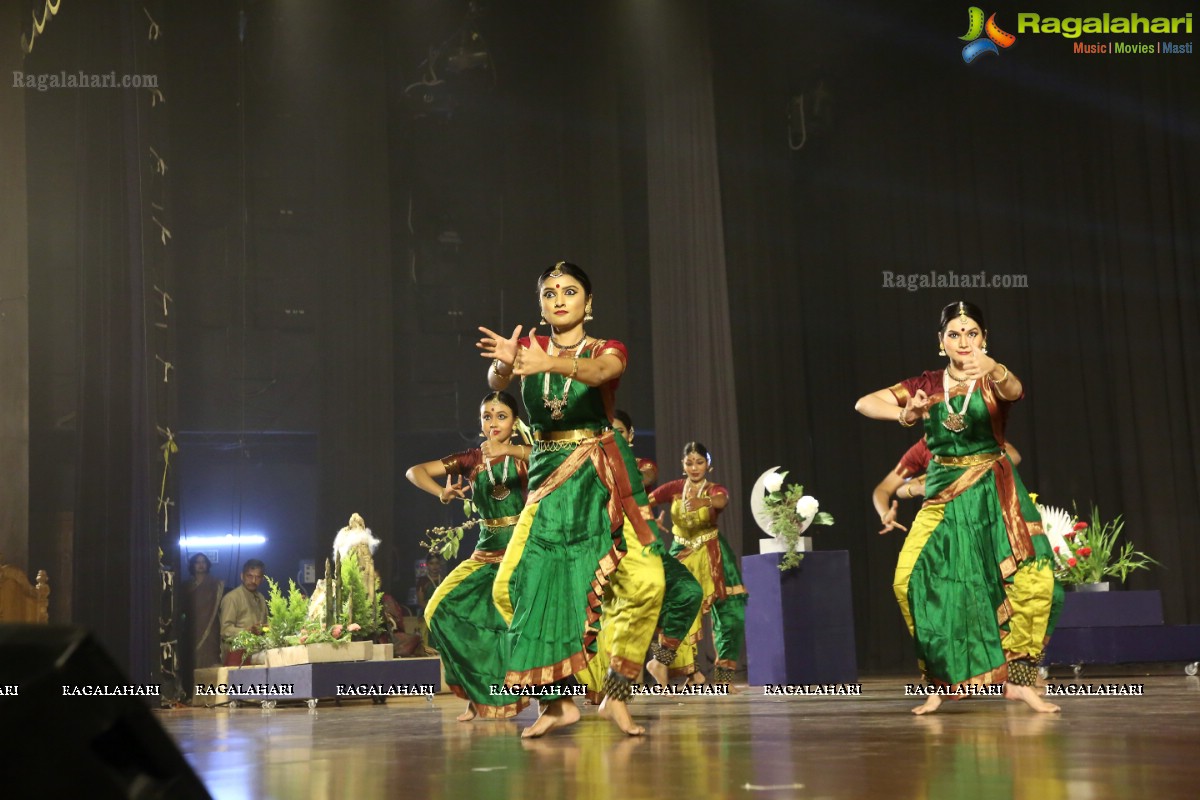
[[243, 609]]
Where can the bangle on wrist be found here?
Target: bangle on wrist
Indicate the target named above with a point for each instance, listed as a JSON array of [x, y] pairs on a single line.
[[445, 500], [496, 363], [903, 422], [1003, 377], [574, 367]]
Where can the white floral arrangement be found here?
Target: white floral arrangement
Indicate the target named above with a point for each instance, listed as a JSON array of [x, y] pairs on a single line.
[[786, 512]]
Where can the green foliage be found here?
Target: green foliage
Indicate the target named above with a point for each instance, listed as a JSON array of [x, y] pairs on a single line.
[[786, 522], [445, 541], [285, 616], [359, 615], [1095, 554], [360, 606]]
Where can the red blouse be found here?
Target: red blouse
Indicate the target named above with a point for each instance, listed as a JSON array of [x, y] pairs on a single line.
[[667, 493]]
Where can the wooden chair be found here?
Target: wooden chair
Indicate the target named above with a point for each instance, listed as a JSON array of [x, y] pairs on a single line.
[[20, 602]]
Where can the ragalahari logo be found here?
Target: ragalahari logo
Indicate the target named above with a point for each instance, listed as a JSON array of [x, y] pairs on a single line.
[[976, 27]]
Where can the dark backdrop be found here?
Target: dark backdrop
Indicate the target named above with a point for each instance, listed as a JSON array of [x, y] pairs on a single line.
[[338, 236], [1078, 172]]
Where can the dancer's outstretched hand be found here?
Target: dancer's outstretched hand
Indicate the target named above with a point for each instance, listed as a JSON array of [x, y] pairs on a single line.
[[533, 359], [493, 345]]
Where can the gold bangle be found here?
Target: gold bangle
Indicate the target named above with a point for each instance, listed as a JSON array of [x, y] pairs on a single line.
[[496, 368], [904, 424], [574, 367], [907, 492], [1004, 378], [445, 502]]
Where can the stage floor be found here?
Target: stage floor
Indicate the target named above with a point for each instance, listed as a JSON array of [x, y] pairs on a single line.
[[743, 746]]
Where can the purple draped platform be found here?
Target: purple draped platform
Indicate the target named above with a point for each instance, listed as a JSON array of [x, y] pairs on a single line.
[[800, 623]]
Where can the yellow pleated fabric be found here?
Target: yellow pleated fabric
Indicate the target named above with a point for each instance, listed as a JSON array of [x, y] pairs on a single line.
[[926, 520]]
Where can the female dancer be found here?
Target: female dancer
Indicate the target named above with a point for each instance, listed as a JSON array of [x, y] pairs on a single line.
[[695, 505], [975, 579], [683, 597], [464, 625], [583, 548]]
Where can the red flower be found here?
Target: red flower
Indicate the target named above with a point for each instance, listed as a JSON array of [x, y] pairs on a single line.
[[1069, 536], [1071, 562], [1079, 526], [1084, 551], [1056, 549], [335, 631]]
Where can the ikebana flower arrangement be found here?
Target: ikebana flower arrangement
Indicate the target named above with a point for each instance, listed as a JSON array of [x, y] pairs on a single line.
[[1086, 554], [354, 615], [786, 513]]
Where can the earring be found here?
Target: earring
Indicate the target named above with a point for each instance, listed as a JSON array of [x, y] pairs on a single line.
[[587, 312], [984, 348], [941, 349], [544, 320]]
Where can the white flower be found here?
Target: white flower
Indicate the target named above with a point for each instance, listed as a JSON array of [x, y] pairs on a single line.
[[773, 482], [1056, 523], [806, 507]]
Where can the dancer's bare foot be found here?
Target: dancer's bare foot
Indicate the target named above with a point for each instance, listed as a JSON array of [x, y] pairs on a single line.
[[931, 704], [618, 712], [1029, 696], [556, 714], [696, 679], [658, 671], [467, 715]]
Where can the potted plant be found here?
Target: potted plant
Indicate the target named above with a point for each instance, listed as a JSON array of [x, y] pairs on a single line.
[[1085, 554], [785, 513], [290, 623]]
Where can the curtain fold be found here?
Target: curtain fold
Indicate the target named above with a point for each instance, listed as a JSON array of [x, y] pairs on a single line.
[[695, 398]]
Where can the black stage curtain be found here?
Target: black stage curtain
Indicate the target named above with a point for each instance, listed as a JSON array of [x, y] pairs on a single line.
[[1079, 174], [694, 394], [88, 301]]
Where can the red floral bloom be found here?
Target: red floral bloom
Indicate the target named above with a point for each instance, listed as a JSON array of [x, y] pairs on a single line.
[[1071, 562], [1056, 548], [1079, 526], [335, 631], [1084, 551], [1069, 536]]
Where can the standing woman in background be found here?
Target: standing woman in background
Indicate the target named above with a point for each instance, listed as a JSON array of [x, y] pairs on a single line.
[[464, 625], [582, 581], [975, 579], [695, 505]]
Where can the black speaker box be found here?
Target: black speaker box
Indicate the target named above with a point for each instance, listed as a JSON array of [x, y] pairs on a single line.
[[57, 741]]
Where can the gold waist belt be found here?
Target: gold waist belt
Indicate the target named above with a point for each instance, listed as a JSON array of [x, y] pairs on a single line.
[[696, 541], [549, 441], [559, 436], [977, 460], [501, 522]]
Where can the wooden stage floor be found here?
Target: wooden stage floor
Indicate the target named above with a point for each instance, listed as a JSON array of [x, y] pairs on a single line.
[[743, 746]]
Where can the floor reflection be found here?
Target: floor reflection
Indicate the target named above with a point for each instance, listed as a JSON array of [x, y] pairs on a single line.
[[743, 746]]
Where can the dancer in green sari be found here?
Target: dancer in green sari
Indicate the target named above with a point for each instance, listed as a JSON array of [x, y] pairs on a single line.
[[581, 583], [464, 625], [975, 579]]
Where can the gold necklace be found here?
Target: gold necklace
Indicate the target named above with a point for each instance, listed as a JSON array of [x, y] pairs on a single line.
[[557, 404]]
